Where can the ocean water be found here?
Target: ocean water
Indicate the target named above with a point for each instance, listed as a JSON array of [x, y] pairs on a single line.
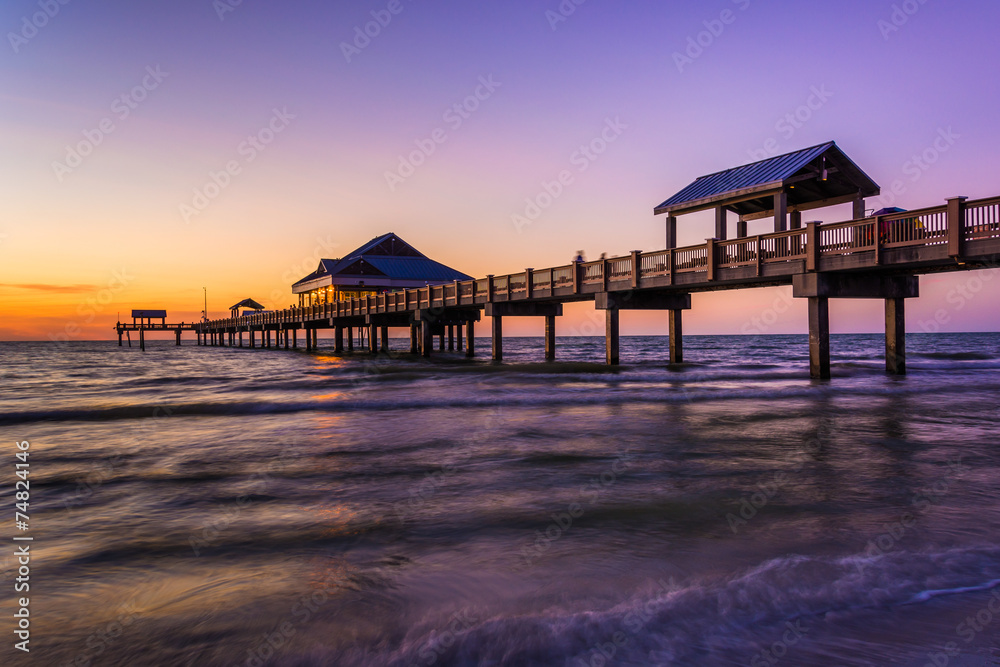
[[220, 506]]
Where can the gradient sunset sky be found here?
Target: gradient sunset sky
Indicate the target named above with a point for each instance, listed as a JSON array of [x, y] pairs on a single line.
[[115, 115]]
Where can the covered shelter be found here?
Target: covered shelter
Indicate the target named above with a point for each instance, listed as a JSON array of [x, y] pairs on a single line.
[[781, 187], [384, 264], [245, 303]]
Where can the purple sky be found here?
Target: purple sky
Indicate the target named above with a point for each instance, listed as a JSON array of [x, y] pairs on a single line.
[[884, 92]]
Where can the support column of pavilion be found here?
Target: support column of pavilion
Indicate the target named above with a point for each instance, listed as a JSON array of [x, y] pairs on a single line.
[[378, 330], [613, 302], [550, 311], [819, 288], [427, 323]]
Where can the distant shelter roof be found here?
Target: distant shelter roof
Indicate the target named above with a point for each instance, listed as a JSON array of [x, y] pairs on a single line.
[[811, 178], [247, 303]]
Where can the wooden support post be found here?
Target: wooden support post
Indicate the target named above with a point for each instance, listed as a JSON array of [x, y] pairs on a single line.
[[142, 339], [795, 220], [309, 340], [284, 335], [295, 338], [458, 337], [178, 333], [426, 338], [720, 223], [781, 212], [812, 246], [497, 338], [253, 337], [338, 338], [676, 337], [712, 258], [671, 232], [819, 337], [350, 339], [470, 335], [895, 336], [859, 208], [636, 267], [741, 229], [267, 338], [315, 335], [956, 226], [451, 338], [611, 336], [372, 338], [550, 337], [119, 338], [241, 337], [384, 335], [414, 343]]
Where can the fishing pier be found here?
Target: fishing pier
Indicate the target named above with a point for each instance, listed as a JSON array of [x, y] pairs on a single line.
[[875, 256]]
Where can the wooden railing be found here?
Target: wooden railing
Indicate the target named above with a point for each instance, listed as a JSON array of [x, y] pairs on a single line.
[[952, 224]]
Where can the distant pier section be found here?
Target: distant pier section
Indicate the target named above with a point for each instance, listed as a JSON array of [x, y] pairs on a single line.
[[143, 321]]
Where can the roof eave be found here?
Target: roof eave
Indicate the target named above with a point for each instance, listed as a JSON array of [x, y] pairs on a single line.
[[733, 197]]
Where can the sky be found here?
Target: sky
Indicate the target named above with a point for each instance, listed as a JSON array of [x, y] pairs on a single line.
[[154, 152]]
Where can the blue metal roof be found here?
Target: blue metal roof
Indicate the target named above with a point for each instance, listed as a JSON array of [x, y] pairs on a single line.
[[391, 256], [415, 268], [765, 175]]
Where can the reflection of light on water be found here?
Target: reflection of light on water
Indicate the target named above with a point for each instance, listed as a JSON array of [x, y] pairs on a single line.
[[332, 396], [334, 521]]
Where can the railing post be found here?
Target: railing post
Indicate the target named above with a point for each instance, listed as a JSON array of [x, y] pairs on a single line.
[[956, 226], [758, 253], [812, 246], [527, 283], [635, 268], [576, 277], [670, 268], [710, 258], [604, 274], [878, 239], [489, 288]]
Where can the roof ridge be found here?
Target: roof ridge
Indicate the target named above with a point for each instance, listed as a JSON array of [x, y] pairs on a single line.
[[768, 159]]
